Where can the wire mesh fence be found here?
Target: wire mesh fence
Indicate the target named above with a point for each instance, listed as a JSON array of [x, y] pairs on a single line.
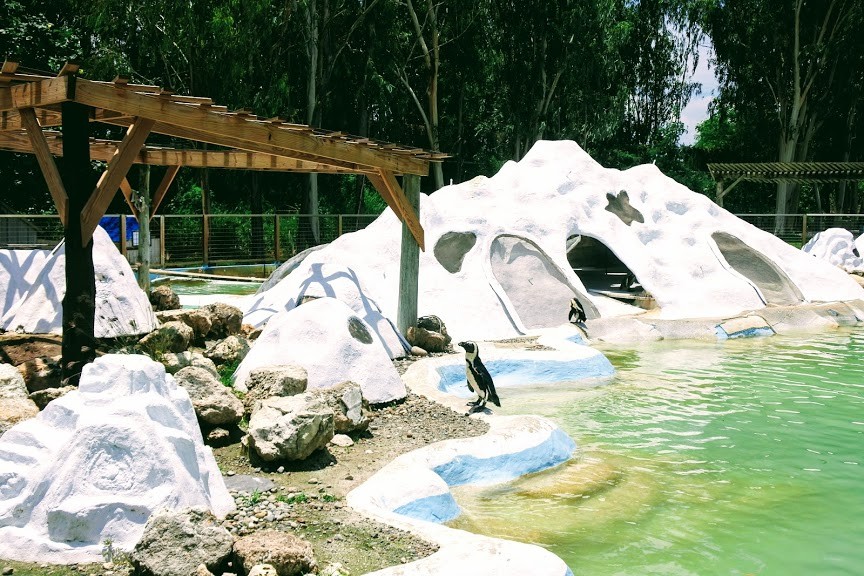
[[219, 239]]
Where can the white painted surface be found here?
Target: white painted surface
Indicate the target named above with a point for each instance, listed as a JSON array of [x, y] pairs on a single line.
[[555, 192], [316, 336], [122, 308], [98, 461]]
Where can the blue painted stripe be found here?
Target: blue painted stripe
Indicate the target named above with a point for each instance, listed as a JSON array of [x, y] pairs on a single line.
[[748, 333], [521, 372], [438, 509], [466, 469]]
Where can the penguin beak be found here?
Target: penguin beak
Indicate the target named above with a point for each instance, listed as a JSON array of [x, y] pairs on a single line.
[[462, 345]]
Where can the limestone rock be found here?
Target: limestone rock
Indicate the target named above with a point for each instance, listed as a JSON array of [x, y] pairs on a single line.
[[267, 381], [263, 570], [175, 361], [218, 437], [122, 308], [134, 431], [170, 337], [226, 319], [15, 410], [43, 397], [41, 373], [342, 440], [288, 554], [11, 383], [350, 411], [290, 427], [175, 543], [332, 343], [18, 348], [214, 403], [231, 349], [427, 340], [164, 298], [250, 332], [200, 322]]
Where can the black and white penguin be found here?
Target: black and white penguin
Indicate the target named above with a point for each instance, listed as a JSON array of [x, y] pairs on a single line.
[[576, 311], [479, 380]]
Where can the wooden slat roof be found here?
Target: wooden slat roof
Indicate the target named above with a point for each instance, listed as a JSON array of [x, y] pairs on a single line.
[[30, 102], [800, 172]]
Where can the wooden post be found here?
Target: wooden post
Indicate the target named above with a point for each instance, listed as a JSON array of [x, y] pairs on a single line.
[[804, 227], [409, 263], [277, 249], [162, 241], [142, 202], [123, 247], [206, 239], [720, 193], [79, 302]]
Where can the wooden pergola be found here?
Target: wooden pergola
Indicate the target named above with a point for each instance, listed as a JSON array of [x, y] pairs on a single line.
[[800, 172], [32, 104]]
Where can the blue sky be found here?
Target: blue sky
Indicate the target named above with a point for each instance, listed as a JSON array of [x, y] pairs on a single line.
[[697, 110]]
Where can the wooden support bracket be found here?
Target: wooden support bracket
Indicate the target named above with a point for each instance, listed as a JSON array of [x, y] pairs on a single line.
[[110, 180], [126, 188], [388, 187], [46, 162], [159, 195]]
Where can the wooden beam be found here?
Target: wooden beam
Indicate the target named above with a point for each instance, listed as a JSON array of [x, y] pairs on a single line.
[[46, 162], [10, 120], [389, 189], [9, 67], [103, 150], [108, 184], [163, 189], [37, 94], [126, 188], [253, 133]]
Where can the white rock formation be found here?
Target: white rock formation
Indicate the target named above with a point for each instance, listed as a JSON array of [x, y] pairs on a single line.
[[18, 270], [122, 308], [97, 462], [496, 263], [332, 344], [837, 246]]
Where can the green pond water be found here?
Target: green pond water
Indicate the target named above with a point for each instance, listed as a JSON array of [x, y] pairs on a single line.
[[189, 286], [737, 457]]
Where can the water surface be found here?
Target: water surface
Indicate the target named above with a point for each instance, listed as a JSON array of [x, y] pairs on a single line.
[[737, 457]]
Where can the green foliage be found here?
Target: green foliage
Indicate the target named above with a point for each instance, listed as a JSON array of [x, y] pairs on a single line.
[[226, 373], [296, 498]]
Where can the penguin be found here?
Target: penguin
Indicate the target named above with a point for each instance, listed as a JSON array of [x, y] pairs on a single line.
[[577, 311], [479, 380]]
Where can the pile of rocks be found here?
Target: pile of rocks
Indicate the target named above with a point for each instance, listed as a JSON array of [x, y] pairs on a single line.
[[430, 335], [209, 548]]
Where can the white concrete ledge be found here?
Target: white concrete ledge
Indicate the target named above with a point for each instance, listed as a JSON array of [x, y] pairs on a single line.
[[412, 493]]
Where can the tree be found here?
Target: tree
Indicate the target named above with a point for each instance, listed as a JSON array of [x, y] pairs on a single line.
[[782, 56]]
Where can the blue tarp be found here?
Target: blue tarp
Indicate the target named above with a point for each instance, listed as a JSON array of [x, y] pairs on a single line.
[[111, 224]]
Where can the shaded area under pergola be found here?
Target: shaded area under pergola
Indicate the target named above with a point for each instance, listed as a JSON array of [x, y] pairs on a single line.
[[30, 103], [798, 172]]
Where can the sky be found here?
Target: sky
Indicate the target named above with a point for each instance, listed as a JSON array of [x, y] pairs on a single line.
[[697, 110]]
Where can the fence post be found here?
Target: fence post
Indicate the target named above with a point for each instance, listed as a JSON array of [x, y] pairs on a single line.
[[206, 238], [339, 229], [123, 235], [804, 231], [277, 249], [162, 241]]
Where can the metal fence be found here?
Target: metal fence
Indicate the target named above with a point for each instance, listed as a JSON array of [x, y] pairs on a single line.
[[194, 240]]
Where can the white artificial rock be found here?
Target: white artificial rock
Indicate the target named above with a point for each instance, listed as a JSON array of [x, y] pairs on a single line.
[[837, 246], [696, 259], [412, 493], [332, 343], [18, 270], [122, 308], [97, 462]]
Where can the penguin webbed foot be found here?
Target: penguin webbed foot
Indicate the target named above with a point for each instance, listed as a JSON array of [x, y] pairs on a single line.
[[474, 403], [477, 409]]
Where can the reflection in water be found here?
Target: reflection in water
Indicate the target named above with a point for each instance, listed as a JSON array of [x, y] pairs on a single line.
[[736, 457]]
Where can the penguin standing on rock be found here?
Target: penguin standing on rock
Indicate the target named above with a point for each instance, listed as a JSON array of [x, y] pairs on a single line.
[[479, 380], [578, 311]]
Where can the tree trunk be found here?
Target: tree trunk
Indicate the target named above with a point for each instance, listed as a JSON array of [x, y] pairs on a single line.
[[79, 302], [143, 205], [310, 232]]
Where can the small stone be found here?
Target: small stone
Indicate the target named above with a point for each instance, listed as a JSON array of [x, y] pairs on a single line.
[[342, 440], [280, 470], [349, 477], [7, 570], [312, 481], [230, 473], [418, 351], [108, 566]]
